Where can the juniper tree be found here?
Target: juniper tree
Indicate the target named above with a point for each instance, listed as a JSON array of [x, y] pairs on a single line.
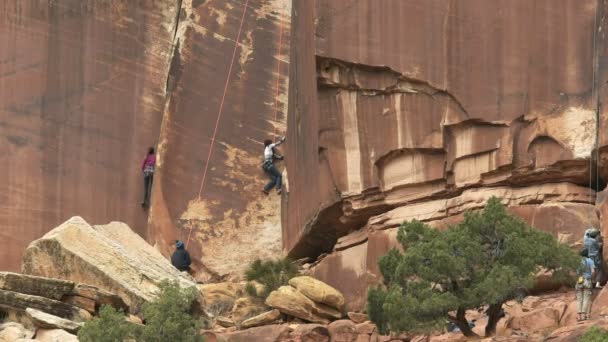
[[488, 258]]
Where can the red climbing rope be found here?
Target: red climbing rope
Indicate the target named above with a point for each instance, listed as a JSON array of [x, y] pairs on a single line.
[[219, 114]]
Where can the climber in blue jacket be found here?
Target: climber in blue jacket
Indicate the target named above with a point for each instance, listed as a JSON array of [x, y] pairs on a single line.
[[180, 258]]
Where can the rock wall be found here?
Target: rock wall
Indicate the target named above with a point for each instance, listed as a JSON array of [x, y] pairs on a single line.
[[424, 109], [87, 86]]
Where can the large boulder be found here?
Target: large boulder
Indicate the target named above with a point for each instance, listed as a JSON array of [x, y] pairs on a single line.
[[269, 333], [37, 286], [343, 331], [111, 257], [247, 307], [46, 321], [20, 302], [261, 319], [291, 302], [219, 298], [318, 291], [311, 333], [12, 332], [54, 335]]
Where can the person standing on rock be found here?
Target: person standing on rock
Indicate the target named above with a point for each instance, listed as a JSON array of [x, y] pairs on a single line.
[[147, 167], [180, 259], [268, 166], [583, 285], [592, 241]]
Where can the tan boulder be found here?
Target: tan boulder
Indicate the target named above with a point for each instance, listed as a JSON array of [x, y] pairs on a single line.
[[219, 298], [357, 317], [318, 291], [291, 302], [224, 322], [111, 257], [247, 307], [54, 335], [12, 331], [261, 319], [37, 286], [20, 302], [545, 318], [310, 333], [268, 333], [326, 311], [99, 296], [343, 331], [47, 321]]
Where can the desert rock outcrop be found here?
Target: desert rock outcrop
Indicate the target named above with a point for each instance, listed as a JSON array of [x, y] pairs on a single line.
[[111, 257]]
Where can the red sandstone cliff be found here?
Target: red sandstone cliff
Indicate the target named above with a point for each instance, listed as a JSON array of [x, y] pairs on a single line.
[[424, 109], [86, 86]]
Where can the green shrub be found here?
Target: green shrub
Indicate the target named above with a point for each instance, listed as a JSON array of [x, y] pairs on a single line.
[[594, 334], [487, 259], [168, 317], [110, 326], [271, 274]]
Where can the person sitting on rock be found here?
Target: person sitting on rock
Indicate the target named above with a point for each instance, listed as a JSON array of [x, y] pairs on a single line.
[[180, 258], [268, 166], [592, 241], [583, 285], [147, 167]]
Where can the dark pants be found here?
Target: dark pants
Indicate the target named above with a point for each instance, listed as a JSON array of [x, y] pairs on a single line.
[[147, 188], [274, 175]]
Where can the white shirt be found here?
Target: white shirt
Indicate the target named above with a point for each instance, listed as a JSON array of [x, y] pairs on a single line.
[[268, 152]]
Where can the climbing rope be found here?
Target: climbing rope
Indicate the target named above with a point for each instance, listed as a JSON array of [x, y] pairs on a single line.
[[219, 114]]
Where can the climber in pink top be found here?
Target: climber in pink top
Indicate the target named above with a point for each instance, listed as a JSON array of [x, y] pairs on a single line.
[[147, 167]]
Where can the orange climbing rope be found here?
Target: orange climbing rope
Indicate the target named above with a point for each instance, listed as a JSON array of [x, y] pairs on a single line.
[[219, 114]]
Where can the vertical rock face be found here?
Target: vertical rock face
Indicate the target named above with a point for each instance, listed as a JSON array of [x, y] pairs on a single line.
[[87, 86], [81, 96], [226, 219], [425, 109]]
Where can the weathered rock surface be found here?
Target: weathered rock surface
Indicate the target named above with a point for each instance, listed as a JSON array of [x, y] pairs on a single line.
[[572, 333], [54, 335], [265, 318], [220, 298], [247, 307], [46, 321], [343, 331], [291, 302], [14, 332], [20, 302], [85, 293], [357, 317], [37, 286], [269, 333], [228, 211], [318, 291], [87, 86], [111, 257], [311, 333], [427, 129]]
